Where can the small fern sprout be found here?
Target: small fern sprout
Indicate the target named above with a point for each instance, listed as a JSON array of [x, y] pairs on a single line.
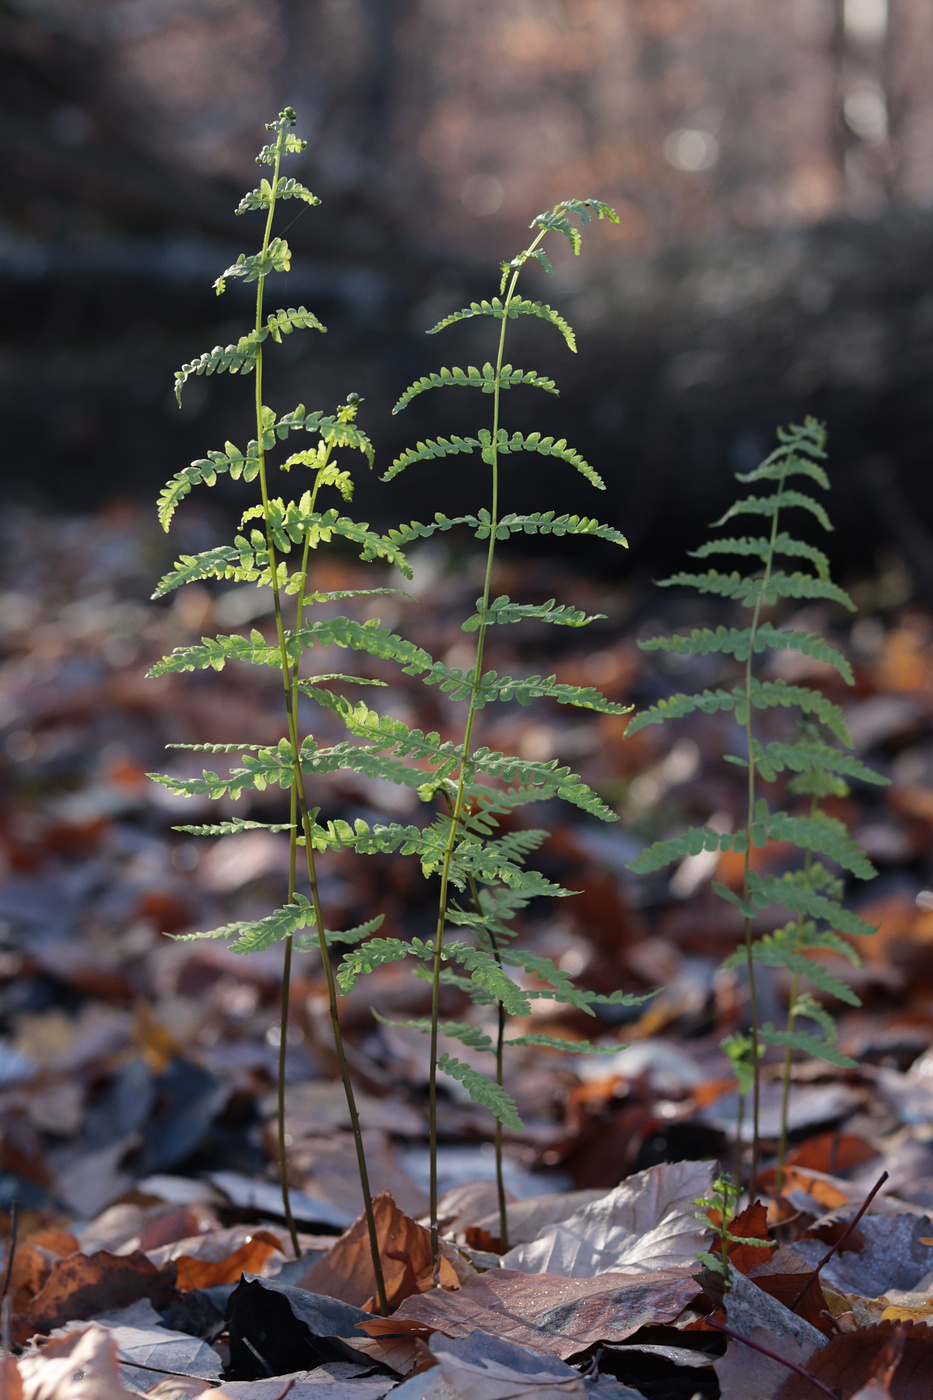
[[273, 549], [483, 879], [814, 751]]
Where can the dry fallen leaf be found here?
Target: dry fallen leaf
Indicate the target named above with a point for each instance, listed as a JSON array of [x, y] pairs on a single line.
[[852, 1361], [346, 1272], [81, 1365], [82, 1285], [646, 1223], [547, 1312]]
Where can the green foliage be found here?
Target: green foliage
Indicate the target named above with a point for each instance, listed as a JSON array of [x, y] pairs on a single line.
[[810, 754]]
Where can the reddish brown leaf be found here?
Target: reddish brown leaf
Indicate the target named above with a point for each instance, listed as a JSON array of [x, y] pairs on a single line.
[[207, 1273], [33, 1261], [85, 1284], [853, 1360], [405, 1247], [751, 1223], [545, 1311]]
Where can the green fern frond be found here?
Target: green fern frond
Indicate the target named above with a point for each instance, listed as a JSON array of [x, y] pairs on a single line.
[[485, 379], [215, 652], [788, 890], [376, 953], [270, 765], [233, 827], [737, 641], [516, 307], [335, 937], [807, 1045], [285, 188], [568, 1047], [546, 446], [748, 591], [235, 359], [206, 470], [370, 637], [483, 1091], [760, 548], [251, 934], [429, 451], [811, 756], [503, 610], [405, 534], [251, 266], [689, 843], [548, 523], [472, 1036], [824, 834], [770, 506]]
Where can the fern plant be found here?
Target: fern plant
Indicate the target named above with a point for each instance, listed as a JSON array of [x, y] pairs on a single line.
[[483, 878], [813, 751], [273, 550]]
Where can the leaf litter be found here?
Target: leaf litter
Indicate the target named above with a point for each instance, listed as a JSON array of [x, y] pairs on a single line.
[[136, 1075]]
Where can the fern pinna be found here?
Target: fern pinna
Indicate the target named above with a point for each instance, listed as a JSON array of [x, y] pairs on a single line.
[[473, 787], [275, 552], [813, 751]]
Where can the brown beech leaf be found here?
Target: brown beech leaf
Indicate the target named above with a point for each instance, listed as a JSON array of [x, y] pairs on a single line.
[[81, 1365], [545, 1311], [646, 1223], [249, 1257], [32, 1263], [751, 1223], [855, 1360], [85, 1284], [346, 1272]]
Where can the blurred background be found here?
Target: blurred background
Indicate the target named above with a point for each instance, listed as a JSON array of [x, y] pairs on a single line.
[[771, 160]]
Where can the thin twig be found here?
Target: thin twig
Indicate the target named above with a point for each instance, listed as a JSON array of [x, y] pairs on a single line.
[[774, 1356], [14, 1222], [842, 1238]]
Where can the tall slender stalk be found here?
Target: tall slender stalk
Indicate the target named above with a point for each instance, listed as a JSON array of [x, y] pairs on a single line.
[[444, 896], [303, 812], [746, 866]]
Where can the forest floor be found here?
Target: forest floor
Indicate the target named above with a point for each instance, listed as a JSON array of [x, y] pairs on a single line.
[[137, 1073]]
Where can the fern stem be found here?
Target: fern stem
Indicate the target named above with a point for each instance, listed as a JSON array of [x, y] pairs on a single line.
[[303, 810], [500, 1080], [464, 760], [750, 956], [791, 1023]]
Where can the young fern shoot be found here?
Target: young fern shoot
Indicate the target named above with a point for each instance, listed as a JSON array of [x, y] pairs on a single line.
[[262, 554], [817, 756], [466, 854]]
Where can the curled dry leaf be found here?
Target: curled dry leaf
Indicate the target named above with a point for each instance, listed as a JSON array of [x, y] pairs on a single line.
[[81, 1365], [646, 1223], [346, 1272]]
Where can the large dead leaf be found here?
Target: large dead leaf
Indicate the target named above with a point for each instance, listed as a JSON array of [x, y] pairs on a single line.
[[32, 1263], [893, 1256], [482, 1367], [346, 1272], [530, 1218], [646, 1223], [853, 1360], [545, 1311], [83, 1285], [81, 1365]]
